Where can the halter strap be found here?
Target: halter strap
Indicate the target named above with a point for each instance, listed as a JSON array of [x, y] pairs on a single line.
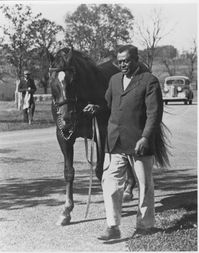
[[95, 133], [60, 69], [54, 69], [66, 101]]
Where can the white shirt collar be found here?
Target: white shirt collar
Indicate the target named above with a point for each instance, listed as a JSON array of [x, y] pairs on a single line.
[[126, 80]]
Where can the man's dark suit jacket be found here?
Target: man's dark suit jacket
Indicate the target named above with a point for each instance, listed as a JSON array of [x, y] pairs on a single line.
[[135, 112]]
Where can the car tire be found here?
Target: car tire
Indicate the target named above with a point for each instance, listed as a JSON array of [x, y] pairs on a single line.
[[190, 102], [185, 102]]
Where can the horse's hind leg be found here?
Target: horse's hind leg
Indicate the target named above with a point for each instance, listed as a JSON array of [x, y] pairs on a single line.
[[130, 184], [100, 157], [67, 150]]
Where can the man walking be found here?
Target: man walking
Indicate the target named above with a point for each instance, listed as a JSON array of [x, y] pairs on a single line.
[[134, 135]]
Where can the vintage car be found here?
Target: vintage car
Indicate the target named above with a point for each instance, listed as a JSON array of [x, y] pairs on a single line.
[[177, 88]]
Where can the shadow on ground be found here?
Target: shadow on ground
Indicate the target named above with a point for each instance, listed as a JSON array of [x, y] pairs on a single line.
[[186, 200], [175, 180], [17, 193], [182, 201]]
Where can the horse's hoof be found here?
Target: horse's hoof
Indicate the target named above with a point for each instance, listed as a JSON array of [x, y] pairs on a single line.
[[127, 196], [63, 220]]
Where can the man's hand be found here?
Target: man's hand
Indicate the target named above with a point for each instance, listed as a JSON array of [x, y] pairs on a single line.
[[90, 108], [141, 145]]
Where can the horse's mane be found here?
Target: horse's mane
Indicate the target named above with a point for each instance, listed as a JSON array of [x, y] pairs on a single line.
[[82, 62], [91, 78]]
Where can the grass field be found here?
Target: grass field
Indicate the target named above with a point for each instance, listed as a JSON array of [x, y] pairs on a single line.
[[12, 119], [176, 229]]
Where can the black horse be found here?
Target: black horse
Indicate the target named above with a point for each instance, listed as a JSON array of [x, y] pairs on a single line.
[[77, 81]]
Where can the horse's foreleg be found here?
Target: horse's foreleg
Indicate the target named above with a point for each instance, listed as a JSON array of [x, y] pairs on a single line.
[[67, 150]]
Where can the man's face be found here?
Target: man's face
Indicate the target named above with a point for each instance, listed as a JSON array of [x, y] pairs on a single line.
[[126, 64]]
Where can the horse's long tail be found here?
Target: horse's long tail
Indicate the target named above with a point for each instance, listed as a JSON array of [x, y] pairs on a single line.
[[162, 146]]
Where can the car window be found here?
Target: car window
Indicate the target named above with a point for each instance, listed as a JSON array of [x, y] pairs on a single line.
[[175, 82], [187, 82]]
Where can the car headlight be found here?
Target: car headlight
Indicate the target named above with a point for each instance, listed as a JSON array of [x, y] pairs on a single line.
[[166, 90], [179, 89]]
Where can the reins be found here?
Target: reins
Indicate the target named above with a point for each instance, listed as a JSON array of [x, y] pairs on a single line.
[[66, 101], [95, 133], [56, 104]]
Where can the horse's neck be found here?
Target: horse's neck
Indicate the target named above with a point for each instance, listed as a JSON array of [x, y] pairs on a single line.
[[108, 69]]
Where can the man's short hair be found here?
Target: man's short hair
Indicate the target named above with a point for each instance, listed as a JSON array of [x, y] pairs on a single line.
[[133, 51]]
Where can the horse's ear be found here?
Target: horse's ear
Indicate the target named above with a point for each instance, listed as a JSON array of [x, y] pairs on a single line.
[[51, 58], [71, 48], [70, 54]]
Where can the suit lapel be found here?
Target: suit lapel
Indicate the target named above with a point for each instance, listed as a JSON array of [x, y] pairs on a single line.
[[119, 85], [133, 84]]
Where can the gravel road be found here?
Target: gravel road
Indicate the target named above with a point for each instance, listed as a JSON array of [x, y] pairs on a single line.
[[32, 188]]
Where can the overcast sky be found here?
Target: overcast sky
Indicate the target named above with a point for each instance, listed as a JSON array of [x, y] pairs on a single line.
[[179, 17]]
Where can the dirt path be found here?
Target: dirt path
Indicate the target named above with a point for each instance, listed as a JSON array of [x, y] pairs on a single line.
[[32, 189]]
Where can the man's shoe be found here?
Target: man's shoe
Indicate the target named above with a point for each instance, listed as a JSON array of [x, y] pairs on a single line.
[[110, 233]]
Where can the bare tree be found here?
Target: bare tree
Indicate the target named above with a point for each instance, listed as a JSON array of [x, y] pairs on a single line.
[[150, 34], [169, 58], [191, 56], [170, 66]]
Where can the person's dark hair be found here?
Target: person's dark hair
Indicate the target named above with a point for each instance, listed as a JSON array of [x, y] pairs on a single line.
[[133, 51]]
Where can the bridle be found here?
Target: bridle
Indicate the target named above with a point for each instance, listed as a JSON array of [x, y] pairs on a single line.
[[57, 105], [59, 121]]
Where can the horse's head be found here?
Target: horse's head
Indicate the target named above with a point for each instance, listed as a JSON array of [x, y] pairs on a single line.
[[62, 76], [75, 82]]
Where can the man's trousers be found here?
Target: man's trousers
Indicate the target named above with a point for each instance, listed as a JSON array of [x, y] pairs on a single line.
[[113, 180]]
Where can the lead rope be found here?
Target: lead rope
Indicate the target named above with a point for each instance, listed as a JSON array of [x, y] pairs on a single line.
[[95, 131]]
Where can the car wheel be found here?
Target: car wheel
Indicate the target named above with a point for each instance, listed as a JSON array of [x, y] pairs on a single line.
[[190, 102], [185, 102]]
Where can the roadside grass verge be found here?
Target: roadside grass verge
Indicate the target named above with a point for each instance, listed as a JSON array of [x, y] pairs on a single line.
[[12, 119], [176, 228]]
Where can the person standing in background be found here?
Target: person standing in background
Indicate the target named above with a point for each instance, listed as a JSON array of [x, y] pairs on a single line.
[[27, 87]]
